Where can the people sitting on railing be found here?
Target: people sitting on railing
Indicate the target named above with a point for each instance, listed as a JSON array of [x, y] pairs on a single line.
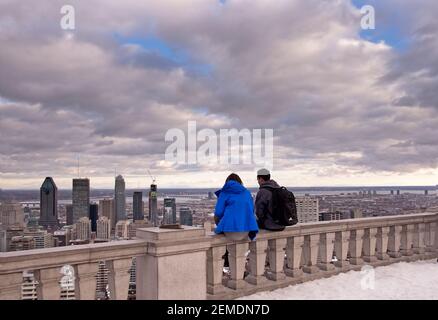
[[234, 211], [275, 206]]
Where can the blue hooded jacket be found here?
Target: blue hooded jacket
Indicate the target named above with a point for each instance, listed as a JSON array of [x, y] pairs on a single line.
[[235, 209]]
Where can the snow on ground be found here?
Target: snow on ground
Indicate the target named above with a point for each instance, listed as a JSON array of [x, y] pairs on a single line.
[[403, 280]]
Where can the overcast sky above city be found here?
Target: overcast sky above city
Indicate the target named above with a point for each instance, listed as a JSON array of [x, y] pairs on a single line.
[[348, 106]]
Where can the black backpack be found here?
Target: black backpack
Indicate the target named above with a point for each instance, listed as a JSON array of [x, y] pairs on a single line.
[[284, 207]]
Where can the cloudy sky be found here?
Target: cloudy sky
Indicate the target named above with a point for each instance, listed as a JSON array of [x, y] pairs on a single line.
[[347, 106]]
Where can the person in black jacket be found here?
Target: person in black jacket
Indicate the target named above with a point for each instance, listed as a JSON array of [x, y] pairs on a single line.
[[263, 201]]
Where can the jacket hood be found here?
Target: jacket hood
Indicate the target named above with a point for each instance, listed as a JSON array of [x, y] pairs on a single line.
[[271, 183], [231, 187]]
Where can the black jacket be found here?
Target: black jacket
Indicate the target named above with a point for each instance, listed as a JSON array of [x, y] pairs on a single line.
[[263, 206]]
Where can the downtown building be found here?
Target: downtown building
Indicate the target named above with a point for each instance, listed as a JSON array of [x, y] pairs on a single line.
[[49, 204], [138, 206], [169, 213], [81, 199], [11, 214], [103, 229], [107, 209], [307, 209], [185, 216], [120, 199], [153, 205], [82, 229]]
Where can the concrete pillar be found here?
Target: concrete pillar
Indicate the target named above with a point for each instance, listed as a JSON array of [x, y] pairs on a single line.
[[326, 246], [342, 241], [407, 240], [311, 247], [85, 281], [369, 245], [394, 241], [49, 287], [10, 286], [276, 259], [356, 242], [237, 259], [418, 239], [382, 243], [118, 278], [257, 259], [215, 265], [175, 265], [294, 249], [431, 233]]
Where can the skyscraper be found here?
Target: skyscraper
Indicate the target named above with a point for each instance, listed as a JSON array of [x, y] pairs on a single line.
[[119, 198], [103, 228], [307, 209], [49, 204], [11, 214], [185, 216], [169, 210], [138, 206], [69, 214], [106, 207], [93, 216], [153, 210], [83, 229], [81, 199]]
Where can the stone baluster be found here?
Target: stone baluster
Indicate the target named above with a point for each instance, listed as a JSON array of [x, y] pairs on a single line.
[[356, 242], [394, 241], [85, 281], [311, 247], [276, 259], [431, 234], [326, 246], [382, 243], [294, 249], [10, 286], [215, 265], [406, 240], [257, 260], [369, 245], [51, 281], [237, 261], [418, 239], [118, 278], [342, 240]]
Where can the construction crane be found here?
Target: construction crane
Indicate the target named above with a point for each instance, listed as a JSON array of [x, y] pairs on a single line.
[[153, 178]]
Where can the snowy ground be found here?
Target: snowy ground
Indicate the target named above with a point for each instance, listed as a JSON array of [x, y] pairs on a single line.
[[403, 280]]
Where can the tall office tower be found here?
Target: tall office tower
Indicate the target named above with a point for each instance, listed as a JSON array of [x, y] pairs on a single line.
[[103, 228], [307, 209], [11, 214], [210, 195], [106, 208], [185, 216], [120, 199], [81, 199], [93, 216], [153, 209], [49, 204], [398, 192], [83, 229], [426, 192], [138, 206], [69, 214], [392, 192], [169, 211]]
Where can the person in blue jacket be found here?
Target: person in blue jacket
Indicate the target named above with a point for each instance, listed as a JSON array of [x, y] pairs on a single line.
[[234, 212]]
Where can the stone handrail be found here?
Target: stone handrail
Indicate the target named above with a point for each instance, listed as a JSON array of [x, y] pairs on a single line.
[[47, 264], [187, 263]]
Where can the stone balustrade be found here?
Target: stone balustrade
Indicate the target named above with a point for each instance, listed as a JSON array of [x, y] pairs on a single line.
[[187, 263]]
